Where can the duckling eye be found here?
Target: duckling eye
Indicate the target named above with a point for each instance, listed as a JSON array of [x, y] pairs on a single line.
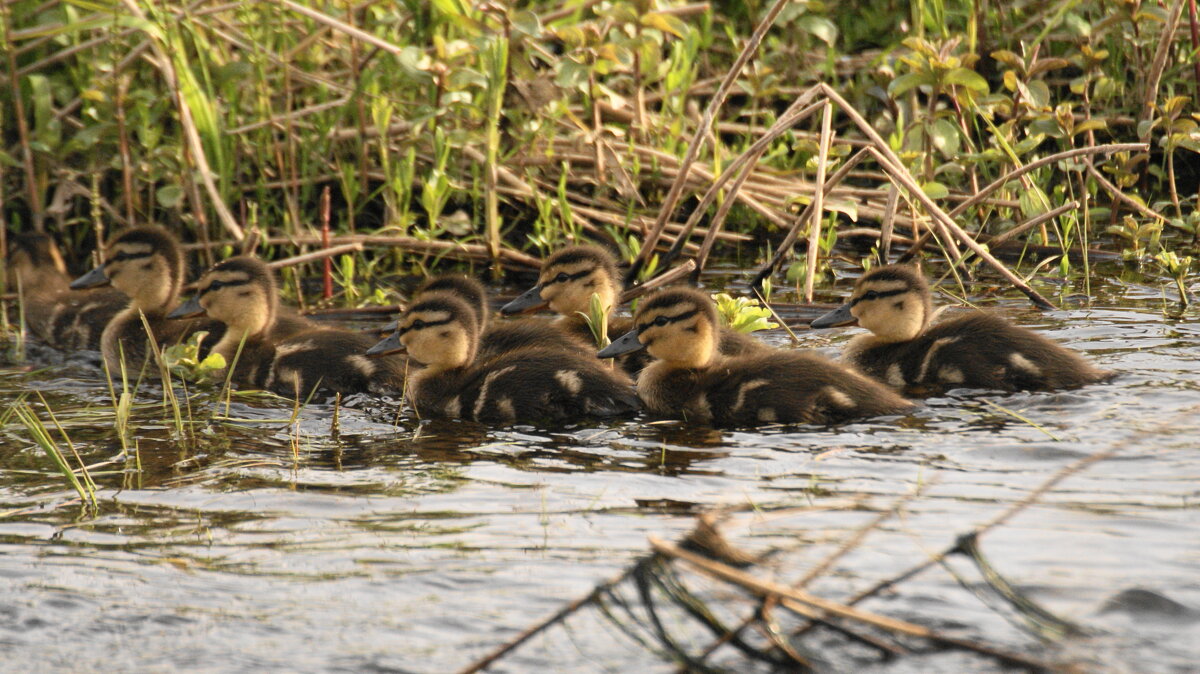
[[870, 295], [417, 325], [661, 321], [562, 277]]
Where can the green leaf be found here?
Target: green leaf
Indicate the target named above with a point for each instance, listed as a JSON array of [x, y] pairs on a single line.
[[904, 83], [820, 27], [935, 190], [527, 22], [169, 196], [946, 137], [964, 77], [665, 22]]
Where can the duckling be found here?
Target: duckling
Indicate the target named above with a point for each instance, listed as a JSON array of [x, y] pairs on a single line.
[[145, 263], [567, 281], [63, 318], [495, 338], [534, 383], [287, 355], [980, 350], [692, 380]]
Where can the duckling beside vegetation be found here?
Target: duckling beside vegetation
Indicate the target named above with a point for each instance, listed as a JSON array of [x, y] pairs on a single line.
[[566, 284], [145, 263], [692, 380], [976, 351], [284, 354], [441, 331], [496, 338], [63, 318]]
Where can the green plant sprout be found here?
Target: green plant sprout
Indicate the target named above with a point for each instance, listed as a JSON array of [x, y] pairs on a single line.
[[743, 314]]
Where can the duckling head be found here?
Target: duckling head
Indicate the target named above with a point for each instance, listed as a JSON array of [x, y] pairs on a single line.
[[439, 331], [465, 288], [31, 257], [240, 292], [145, 263], [891, 301], [568, 279], [676, 325]]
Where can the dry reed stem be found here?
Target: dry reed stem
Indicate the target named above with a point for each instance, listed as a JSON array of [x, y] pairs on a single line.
[[1003, 180], [1120, 196], [789, 597], [666, 278], [743, 166], [1031, 223], [1160, 63], [789, 240], [167, 67], [342, 27], [710, 111], [814, 229]]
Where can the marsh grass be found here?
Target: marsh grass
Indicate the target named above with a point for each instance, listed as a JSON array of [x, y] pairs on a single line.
[[504, 127], [80, 481]]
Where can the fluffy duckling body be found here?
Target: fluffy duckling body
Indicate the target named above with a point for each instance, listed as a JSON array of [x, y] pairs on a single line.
[[282, 353], [63, 318], [146, 264], [980, 350], [498, 338], [692, 380], [527, 384], [566, 284]]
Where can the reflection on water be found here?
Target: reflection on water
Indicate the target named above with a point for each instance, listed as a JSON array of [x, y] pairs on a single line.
[[254, 540]]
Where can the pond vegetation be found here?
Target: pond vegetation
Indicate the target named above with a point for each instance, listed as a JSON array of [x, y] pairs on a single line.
[[1032, 156]]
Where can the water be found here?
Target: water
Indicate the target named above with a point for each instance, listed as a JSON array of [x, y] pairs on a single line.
[[419, 547]]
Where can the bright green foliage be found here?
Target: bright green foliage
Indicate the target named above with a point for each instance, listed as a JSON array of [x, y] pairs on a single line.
[[183, 360], [743, 313]]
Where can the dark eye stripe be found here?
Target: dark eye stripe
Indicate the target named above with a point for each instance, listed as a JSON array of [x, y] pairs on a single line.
[[122, 257], [670, 319], [570, 277], [879, 294], [217, 285], [424, 324]]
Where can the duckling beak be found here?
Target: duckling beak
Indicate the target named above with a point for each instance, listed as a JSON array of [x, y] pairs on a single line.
[[528, 300], [389, 345], [187, 309], [839, 316], [390, 327], [93, 278], [626, 343]]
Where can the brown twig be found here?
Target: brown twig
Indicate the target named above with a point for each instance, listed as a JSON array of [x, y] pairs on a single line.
[[1003, 180], [714, 104], [789, 597], [814, 228], [323, 254], [1159, 64], [789, 240], [666, 278]]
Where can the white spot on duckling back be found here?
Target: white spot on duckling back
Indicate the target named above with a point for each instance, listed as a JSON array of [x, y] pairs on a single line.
[[839, 399], [363, 364], [454, 407], [487, 382], [746, 388], [929, 356], [505, 405], [294, 347], [950, 375], [1022, 363], [570, 380], [703, 406], [767, 414], [895, 376]]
